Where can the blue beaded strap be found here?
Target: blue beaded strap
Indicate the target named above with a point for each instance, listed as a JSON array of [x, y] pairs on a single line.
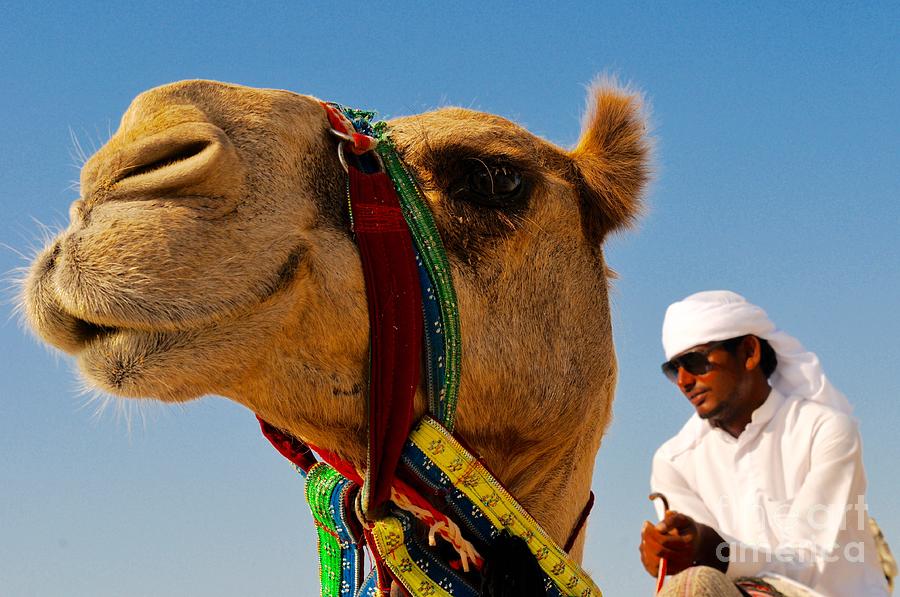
[[369, 587], [435, 371], [427, 558], [351, 547]]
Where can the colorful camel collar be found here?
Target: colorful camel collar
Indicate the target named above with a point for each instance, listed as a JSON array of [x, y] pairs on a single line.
[[438, 465], [412, 306]]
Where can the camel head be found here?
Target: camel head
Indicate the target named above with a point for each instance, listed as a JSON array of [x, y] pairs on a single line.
[[210, 252]]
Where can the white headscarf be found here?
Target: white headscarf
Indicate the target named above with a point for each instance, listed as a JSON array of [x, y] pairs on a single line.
[[721, 314]]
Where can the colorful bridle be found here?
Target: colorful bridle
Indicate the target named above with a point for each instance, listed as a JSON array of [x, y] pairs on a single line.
[[410, 468]]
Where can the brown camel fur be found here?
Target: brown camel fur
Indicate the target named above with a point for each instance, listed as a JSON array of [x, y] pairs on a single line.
[[210, 253]]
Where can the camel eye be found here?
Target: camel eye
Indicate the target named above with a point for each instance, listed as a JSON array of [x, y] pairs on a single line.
[[488, 185], [495, 181]]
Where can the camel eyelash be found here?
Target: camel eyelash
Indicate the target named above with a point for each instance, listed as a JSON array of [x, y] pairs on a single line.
[[488, 184]]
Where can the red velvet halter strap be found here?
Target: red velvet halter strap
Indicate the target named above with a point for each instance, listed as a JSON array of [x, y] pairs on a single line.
[[395, 322], [394, 301]]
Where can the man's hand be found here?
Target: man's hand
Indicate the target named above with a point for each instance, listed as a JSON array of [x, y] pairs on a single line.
[[682, 541], [674, 538]]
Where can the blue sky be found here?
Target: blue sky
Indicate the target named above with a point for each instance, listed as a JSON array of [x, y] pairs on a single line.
[[777, 175]]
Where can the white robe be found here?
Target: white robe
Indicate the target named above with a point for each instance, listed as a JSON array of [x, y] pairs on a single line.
[[788, 494]]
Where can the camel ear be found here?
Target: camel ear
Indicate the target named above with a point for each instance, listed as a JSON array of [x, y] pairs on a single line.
[[611, 160]]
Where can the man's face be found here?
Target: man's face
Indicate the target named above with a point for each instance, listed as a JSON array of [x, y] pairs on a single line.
[[719, 395]]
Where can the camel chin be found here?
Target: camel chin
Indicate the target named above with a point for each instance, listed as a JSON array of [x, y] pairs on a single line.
[[116, 359]]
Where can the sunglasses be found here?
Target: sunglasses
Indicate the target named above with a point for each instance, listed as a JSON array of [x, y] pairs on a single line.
[[696, 362]]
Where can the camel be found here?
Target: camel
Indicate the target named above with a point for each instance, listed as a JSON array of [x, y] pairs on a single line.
[[210, 253]]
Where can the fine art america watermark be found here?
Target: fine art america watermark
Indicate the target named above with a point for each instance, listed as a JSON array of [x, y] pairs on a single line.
[[804, 535]]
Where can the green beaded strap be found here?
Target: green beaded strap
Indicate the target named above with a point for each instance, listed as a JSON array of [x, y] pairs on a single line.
[[431, 250], [340, 557]]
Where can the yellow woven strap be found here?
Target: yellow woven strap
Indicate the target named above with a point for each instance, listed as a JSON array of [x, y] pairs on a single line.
[[391, 545], [504, 512]]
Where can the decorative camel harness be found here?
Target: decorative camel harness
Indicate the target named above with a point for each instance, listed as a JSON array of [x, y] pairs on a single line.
[[412, 305]]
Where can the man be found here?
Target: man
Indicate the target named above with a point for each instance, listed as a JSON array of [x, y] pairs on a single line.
[[765, 482]]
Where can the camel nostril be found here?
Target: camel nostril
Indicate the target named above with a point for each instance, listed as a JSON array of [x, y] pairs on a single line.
[[164, 157], [189, 160]]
